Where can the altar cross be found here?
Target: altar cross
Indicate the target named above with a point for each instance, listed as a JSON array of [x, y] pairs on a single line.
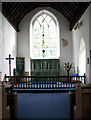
[[10, 65]]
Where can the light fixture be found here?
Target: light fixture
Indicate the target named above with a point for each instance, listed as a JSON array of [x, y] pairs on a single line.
[[78, 25]]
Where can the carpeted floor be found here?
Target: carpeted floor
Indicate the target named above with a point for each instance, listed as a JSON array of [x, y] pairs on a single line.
[[43, 105]]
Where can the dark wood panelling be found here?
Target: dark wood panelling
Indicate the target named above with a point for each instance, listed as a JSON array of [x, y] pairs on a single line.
[[15, 11]]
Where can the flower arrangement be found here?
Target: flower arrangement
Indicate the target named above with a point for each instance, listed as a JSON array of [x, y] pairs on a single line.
[[67, 67]]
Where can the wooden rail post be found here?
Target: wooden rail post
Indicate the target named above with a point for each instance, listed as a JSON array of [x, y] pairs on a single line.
[[84, 78]]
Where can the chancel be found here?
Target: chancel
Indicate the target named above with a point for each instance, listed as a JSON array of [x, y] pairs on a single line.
[[50, 45]]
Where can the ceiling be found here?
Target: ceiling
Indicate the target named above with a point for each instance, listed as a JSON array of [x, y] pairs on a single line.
[[15, 11]]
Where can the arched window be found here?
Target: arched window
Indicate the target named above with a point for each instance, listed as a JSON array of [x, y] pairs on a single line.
[[82, 58], [44, 43]]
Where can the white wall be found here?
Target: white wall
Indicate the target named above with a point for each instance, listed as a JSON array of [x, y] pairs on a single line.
[[23, 38], [0, 38], [7, 46], [8, 42], [77, 35], [90, 41], [0, 60]]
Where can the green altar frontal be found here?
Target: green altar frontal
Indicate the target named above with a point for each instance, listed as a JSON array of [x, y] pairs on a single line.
[[45, 67]]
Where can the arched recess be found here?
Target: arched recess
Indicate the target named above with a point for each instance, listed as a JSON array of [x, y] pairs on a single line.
[[82, 57]]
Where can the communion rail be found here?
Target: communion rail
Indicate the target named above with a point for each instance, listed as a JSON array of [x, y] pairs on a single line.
[[44, 82]]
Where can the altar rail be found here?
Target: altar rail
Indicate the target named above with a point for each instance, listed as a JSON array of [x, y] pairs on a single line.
[[44, 82]]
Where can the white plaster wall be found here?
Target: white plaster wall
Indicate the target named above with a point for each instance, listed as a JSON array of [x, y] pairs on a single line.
[[0, 42], [0, 64], [24, 44], [66, 54], [0, 37], [90, 41], [9, 46], [90, 27], [77, 35], [8, 42], [0, 60]]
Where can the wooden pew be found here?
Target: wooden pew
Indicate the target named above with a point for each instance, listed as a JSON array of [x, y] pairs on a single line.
[[5, 107], [72, 103], [83, 101], [9, 103], [80, 102]]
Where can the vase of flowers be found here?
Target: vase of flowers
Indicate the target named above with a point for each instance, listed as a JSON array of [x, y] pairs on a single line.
[[68, 67]]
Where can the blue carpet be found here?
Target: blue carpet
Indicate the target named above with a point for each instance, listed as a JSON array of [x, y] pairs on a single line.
[[43, 105]]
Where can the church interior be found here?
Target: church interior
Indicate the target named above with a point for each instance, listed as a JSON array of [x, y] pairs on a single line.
[[45, 60]]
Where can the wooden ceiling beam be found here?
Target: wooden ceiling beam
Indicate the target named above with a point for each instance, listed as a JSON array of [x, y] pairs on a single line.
[[79, 14], [6, 6], [12, 22], [7, 13], [31, 7], [59, 8], [69, 4], [24, 11], [68, 10], [15, 11], [14, 4], [74, 5], [18, 11]]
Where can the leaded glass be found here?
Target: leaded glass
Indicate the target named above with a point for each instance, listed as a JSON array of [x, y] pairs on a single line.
[[44, 37], [45, 44], [45, 54], [44, 25], [36, 53], [40, 19], [44, 15], [36, 25], [37, 43], [36, 34], [52, 52], [48, 19]]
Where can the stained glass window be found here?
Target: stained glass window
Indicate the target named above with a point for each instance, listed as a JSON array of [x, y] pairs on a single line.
[[44, 37]]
